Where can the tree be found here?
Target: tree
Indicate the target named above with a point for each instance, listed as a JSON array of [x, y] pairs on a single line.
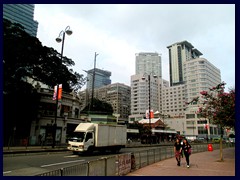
[[219, 107], [24, 57], [99, 107]]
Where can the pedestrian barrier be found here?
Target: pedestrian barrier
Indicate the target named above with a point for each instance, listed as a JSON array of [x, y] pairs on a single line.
[[118, 165]]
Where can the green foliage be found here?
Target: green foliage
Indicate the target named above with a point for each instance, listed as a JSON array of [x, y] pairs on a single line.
[[24, 56], [98, 107]]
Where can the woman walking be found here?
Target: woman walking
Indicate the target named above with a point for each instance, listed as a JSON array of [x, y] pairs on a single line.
[[178, 151], [186, 147]]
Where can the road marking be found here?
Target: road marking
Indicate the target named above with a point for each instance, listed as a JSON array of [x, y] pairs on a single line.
[[72, 156], [55, 164], [7, 172]]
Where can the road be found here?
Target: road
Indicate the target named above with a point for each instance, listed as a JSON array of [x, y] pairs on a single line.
[[29, 165]]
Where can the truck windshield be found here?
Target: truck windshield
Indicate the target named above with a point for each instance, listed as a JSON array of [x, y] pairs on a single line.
[[77, 137]]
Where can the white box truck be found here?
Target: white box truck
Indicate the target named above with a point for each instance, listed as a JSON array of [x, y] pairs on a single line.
[[89, 137]]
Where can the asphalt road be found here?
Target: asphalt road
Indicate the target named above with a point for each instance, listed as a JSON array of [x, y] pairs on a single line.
[[32, 164]]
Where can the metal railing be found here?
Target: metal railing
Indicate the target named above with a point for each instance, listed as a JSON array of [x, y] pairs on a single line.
[[122, 164]]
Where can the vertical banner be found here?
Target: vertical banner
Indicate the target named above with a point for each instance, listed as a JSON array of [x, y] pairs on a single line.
[[151, 114], [59, 92], [55, 93], [146, 114]]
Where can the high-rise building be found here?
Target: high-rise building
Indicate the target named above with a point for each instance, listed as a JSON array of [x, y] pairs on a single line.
[[117, 94], [22, 14], [173, 101], [148, 63], [179, 53], [140, 99], [200, 75], [102, 78], [143, 95]]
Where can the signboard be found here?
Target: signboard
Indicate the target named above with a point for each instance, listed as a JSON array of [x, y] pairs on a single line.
[[124, 164]]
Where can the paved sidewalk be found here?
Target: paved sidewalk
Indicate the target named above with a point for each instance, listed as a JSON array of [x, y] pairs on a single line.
[[201, 164]]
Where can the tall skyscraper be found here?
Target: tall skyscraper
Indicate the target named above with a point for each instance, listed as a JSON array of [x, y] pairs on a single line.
[[148, 63], [140, 94], [22, 14], [102, 78], [200, 75], [179, 53]]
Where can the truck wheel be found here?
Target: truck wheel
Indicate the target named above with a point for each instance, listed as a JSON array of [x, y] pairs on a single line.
[[75, 153], [90, 150]]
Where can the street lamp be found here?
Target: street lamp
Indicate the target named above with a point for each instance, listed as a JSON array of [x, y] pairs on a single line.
[[59, 39], [149, 94]]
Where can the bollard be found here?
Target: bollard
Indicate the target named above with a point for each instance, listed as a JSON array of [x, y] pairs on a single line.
[[210, 147]]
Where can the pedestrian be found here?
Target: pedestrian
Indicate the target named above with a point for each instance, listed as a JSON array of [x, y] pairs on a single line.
[[178, 151], [186, 148]]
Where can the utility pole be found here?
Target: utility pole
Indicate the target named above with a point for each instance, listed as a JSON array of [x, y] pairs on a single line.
[[93, 80]]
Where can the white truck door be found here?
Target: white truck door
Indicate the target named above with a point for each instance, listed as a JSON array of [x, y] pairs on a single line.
[[89, 141]]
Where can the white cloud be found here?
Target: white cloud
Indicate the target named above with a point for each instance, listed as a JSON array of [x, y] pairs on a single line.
[[117, 32]]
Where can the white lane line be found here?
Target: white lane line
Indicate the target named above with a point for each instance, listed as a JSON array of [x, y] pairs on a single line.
[[55, 164], [71, 156], [6, 172]]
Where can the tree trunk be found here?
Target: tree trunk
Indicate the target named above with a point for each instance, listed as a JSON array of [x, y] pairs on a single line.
[[221, 145]]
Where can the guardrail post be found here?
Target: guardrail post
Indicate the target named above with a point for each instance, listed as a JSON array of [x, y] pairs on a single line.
[[88, 168], [147, 158], [105, 162], [61, 172]]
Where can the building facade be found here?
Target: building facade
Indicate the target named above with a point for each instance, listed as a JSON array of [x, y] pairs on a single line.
[[68, 117], [117, 94], [149, 63], [200, 75], [102, 78], [173, 101], [179, 53], [22, 14], [140, 94], [189, 75]]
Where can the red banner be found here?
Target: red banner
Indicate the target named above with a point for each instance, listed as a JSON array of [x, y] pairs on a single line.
[[59, 87]]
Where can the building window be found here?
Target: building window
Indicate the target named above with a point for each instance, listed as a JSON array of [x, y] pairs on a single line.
[[189, 116]]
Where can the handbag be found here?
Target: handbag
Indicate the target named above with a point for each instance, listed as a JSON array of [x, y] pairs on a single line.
[[189, 151]]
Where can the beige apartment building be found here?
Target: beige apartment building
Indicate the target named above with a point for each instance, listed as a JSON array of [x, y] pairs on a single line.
[[117, 94]]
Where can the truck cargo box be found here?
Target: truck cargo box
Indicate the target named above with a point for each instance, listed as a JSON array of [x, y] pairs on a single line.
[[110, 135]]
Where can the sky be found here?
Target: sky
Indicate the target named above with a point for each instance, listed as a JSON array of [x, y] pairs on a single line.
[[116, 32]]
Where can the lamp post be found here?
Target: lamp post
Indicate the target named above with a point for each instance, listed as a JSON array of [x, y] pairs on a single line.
[[149, 95], [59, 39]]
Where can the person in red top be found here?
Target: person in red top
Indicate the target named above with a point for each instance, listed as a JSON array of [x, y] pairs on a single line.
[[178, 151], [186, 147]]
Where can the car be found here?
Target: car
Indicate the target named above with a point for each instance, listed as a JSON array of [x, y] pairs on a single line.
[[216, 140]]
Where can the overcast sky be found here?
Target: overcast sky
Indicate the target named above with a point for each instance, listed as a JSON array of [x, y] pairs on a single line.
[[118, 32]]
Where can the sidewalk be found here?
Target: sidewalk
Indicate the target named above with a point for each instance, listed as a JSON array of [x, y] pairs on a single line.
[[201, 164]]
